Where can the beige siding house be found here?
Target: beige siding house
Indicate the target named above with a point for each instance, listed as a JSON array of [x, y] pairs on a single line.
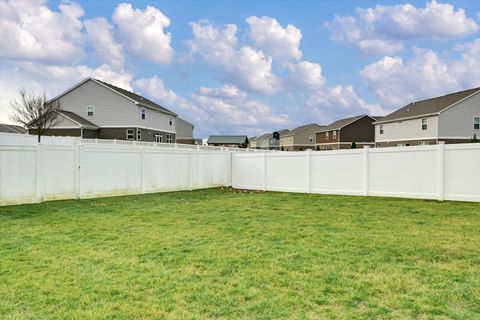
[[96, 109], [300, 138], [453, 118]]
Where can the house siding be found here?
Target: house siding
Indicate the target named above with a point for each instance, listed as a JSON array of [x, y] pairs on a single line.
[[111, 109], [321, 137], [155, 119], [457, 121], [361, 130], [184, 130], [407, 130]]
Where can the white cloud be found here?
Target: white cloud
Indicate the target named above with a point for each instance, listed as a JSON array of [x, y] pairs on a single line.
[[281, 43], [306, 74], [29, 30], [142, 32], [333, 103], [384, 28], [427, 74], [100, 35], [248, 68], [232, 111]]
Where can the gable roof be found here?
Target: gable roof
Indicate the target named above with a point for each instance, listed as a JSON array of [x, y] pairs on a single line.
[[228, 139], [12, 128], [300, 129], [428, 107], [76, 118], [339, 124], [135, 98]]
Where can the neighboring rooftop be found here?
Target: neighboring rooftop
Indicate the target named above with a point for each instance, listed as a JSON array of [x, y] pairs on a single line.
[[76, 118], [12, 128], [428, 106], [339, 124], [217, 139], [138, 98], [300, 129]]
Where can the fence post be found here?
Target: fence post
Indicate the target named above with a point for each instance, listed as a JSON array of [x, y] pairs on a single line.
[[441, 170], [229, 167], [264, 171], [143, 164], [77, 171], [190, 171], [308, 166], [365, 170], [39, 172]]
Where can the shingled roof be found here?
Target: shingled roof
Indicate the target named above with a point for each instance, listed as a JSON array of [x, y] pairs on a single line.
[[11, 128], [76, 118], [339, 124], [300, 129], [427, 107]]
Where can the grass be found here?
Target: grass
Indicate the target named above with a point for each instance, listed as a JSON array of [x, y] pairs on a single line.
[[225, 254]]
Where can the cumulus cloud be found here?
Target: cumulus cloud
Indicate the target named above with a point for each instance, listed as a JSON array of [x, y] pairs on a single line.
[[384, 28], [142, 32], [31, 31], [281, 43], [100, 36], [333, 103], [305, 74], [245, 66], [231, 110], [397, 81]]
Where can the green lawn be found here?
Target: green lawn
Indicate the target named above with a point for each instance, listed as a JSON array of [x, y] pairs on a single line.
[[230, 255]]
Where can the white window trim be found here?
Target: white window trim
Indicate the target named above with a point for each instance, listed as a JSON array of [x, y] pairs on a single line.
[[476, 123], [143, 113], [424, 124], [139, 134], [93, 111], [334, 135], [327, 135], [132, 134], [160, 136], [170, 121], [381, 129], [169, 138]]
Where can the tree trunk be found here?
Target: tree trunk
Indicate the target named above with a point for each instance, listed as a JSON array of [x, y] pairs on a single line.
[[39, 136]]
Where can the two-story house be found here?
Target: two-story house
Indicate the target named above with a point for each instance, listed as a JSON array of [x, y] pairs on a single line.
[[300, 138], [452, 118], [96, 109], [271, 141], [342, 133]]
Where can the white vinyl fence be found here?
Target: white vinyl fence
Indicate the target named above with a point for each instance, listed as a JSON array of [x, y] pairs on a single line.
[[450, 172], [62, 169], [34, 173]]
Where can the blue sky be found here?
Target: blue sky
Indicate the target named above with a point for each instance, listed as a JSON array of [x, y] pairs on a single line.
[[245, 66]]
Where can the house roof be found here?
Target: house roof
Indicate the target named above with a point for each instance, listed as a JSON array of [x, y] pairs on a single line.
[[12, 128], [228, 139], [300, 129], [339, 124], [76, 118], [429, 106], [138, 98]]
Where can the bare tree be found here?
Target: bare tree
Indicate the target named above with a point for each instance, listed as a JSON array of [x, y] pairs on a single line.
[[34, 113]]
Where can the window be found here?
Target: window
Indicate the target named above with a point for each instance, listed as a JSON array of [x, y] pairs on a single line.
[[310, 138], [476, 123], [130, 135], [423, 143], [143, 113], [139, 134], [169, 138], [381, 129], [171, 120], [158, 138], [327, 136], [334, 134], [90, 110], [424, 124]]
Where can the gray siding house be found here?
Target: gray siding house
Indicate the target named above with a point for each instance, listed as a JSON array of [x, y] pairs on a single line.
[[96, 109], [300, 138], [452, 118]]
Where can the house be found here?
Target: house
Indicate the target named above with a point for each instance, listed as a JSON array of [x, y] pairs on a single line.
[[11, 128], [300, 138], [271, 141], [452, 118], [228, 141], [342, 133], [252, 142], [184, 132], [96, 109]]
